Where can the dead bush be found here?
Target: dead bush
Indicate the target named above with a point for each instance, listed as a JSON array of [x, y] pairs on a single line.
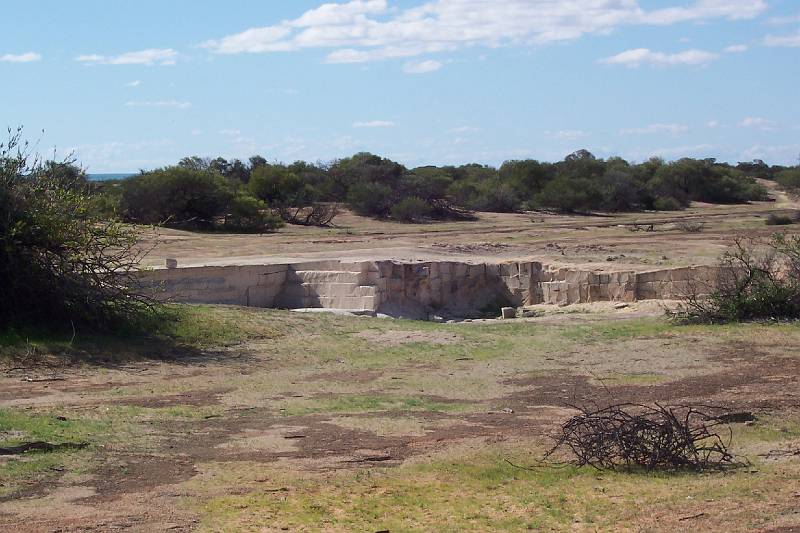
[[318, 214], [690, 226], [657, 437]]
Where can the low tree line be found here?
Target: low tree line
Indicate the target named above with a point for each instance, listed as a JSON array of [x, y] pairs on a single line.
[[259, 196]]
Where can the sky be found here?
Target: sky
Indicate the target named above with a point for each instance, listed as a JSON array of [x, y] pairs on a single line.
[[137, 85]]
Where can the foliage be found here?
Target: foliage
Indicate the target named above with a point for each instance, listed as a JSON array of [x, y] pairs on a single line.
[[411, 209], [776, 219], [754, 281], [61, 264], [371, 199], [789, 179], [305, 193], [180, 196], [250, 215]]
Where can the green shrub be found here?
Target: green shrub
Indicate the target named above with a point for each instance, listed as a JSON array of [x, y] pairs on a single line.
[[411, 210], [754, 281], [775, 219], [250, 215], [61, 265], [371, 199], [176, 197], [667, 203], [789, 179]]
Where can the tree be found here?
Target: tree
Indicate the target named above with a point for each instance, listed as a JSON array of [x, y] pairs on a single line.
[[371, 199], [60, 264], [176, 196], [275, 184]]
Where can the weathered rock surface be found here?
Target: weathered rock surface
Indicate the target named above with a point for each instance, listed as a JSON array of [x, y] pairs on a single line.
[[418, 289]]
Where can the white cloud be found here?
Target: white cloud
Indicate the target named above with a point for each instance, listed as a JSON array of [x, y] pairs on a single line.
[[151, 56], [421, 67], [787, 41], [370, 30], [782, 154], [758, 123], [161, 103], [707, 9], [671, 129], [374, 124], [230, 132], [567, 135], [28, 57], [736, 48], [712, 124], [641, 56], [134, 83]]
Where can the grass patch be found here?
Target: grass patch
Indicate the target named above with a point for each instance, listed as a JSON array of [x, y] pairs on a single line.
[[628, 329], [179, 330], [484, 493], [18, 427]]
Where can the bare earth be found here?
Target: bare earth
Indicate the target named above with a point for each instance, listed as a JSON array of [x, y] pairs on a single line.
[[319, 422], [620, 241]]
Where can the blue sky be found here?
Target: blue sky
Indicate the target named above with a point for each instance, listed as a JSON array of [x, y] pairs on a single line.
[[129, 85]]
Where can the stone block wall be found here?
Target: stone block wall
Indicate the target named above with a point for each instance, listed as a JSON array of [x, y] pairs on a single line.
[[448, 287]]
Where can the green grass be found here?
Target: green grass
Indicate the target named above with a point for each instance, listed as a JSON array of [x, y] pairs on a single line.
[[483, 492], [180, 329], [19, 427], [47, 427]]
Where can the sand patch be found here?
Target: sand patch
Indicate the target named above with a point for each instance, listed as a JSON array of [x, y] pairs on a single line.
[[398, 338], [277, 439]]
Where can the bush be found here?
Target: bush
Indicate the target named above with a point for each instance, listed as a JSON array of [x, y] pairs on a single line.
[[411, 210], [176, 197], [753, 282], [667, 203], [250, 215], [775, 219], [789, 179], [61, 264], [689, 226], [371, 199]]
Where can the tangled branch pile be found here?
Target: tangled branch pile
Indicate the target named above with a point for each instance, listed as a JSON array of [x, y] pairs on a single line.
[[640, 436]]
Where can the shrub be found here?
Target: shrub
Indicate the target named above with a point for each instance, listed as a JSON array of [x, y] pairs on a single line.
[[411, 210], [789, 179], [250, 215], [177, 197], [690, 226], [753, 282], [370, 199], [776, 219], [60, 263], [274, 184], [667, 203]]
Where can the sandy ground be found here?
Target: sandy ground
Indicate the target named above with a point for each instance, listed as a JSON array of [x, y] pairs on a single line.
[[636, 241]]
